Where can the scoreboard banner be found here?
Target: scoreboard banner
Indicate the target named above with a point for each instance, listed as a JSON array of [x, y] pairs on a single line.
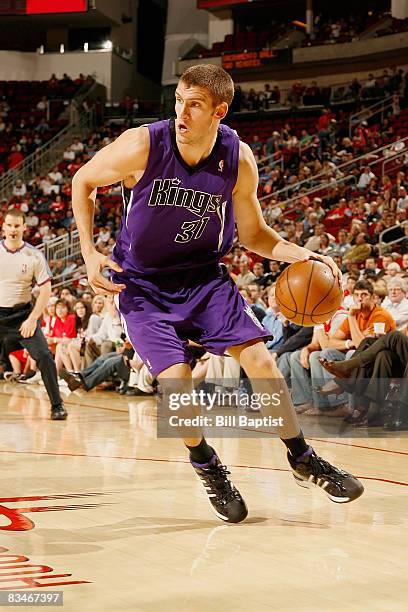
[[256, 59], [42, 7]]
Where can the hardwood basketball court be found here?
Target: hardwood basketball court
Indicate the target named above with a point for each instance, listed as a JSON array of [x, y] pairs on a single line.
[[120, 516]]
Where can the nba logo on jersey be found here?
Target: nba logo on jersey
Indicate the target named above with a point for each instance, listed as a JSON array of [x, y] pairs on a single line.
[[24, 268], [221, 165]]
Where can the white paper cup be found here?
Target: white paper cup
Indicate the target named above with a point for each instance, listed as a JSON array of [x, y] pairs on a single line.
[[379, 328]]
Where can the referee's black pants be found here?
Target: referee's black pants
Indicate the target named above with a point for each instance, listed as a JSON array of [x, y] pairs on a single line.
[[37, 347]]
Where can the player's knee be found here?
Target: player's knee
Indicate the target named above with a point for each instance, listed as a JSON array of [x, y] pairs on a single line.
[[175, 372], [257, 361]]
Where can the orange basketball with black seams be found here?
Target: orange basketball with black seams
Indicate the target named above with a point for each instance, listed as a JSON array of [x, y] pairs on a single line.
[[308, 293]]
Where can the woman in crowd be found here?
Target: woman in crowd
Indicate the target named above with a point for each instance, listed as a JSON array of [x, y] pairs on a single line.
[[64, 329], [67, 295], [49, 317], [326, 246], [98, 305], [86, 324]]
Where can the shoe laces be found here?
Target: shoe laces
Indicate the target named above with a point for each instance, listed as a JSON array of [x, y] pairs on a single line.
[[320, 467], [221, 484]]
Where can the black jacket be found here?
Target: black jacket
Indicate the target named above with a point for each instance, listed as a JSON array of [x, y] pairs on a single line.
[[295, 337]]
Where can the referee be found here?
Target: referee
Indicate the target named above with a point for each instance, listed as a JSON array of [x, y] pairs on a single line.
[[22, 266]]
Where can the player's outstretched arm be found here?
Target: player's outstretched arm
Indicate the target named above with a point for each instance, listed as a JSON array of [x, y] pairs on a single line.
[[253, 231], [123, 159]]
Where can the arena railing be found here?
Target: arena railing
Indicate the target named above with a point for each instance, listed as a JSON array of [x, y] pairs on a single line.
[[269, 161], [384, 246], [393, 158], [46, 156], [42, 159], [65, 280], [371, 157], [370, 111], [62, 248]]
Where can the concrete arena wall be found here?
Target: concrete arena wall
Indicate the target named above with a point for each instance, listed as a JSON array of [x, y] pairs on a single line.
[[323, 81], [18, 66]]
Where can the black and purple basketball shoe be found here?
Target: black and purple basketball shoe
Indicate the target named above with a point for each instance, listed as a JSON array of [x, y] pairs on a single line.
[[225, 499], [309, 470]]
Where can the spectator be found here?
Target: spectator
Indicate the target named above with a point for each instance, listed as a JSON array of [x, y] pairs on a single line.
[[366, 176], [69, 353], [274, 273], [256, 295], [42, 104], [366, 376], [245, 275], [77, 146], [64, 326], [103, 368], [260, 276], [358, 325], [108, 335], [42, 127], [69, 154], [402, 201], [257, 310], [15, 158], [397, 303], [273, 321], [343, 246], [314, 241], [326, 246], [55, 175], [68, 297], [19, 189], [359, 253], [371, 271]]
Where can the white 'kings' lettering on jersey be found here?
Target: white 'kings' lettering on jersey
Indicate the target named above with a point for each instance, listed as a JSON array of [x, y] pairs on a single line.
[[166, 192]]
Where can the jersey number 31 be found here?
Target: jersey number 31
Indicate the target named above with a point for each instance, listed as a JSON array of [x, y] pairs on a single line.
[[192, 230]]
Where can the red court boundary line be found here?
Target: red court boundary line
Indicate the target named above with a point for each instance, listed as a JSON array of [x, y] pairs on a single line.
[[153, 416], [381, 450], [152, 459]]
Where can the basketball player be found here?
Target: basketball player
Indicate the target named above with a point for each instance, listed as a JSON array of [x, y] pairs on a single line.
[[185, 185], [21, 266]]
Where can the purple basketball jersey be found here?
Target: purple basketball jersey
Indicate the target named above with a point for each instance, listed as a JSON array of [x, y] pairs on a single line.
[[176, 217]]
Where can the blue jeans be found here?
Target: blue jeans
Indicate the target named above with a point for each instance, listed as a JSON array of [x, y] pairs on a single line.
[[305, 382], [100, 370], [283, 363]]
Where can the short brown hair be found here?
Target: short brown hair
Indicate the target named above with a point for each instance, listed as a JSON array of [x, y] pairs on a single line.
[[15, 212], [364, 285], [213, 78]]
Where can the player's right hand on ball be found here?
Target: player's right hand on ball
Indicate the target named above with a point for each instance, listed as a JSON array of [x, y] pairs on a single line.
[[95, 264]]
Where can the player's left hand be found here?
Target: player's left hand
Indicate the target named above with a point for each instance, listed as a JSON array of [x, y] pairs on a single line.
[[27, 328], [328, 261]]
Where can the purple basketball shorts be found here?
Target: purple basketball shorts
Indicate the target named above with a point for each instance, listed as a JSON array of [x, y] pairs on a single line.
[[162, 313]]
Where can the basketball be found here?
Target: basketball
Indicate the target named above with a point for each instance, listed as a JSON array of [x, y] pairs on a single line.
[[308, 293]]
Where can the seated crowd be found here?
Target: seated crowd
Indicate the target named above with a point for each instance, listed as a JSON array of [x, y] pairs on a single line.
[[345, 221], [30, 115], [86, 337], [387, 83]]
